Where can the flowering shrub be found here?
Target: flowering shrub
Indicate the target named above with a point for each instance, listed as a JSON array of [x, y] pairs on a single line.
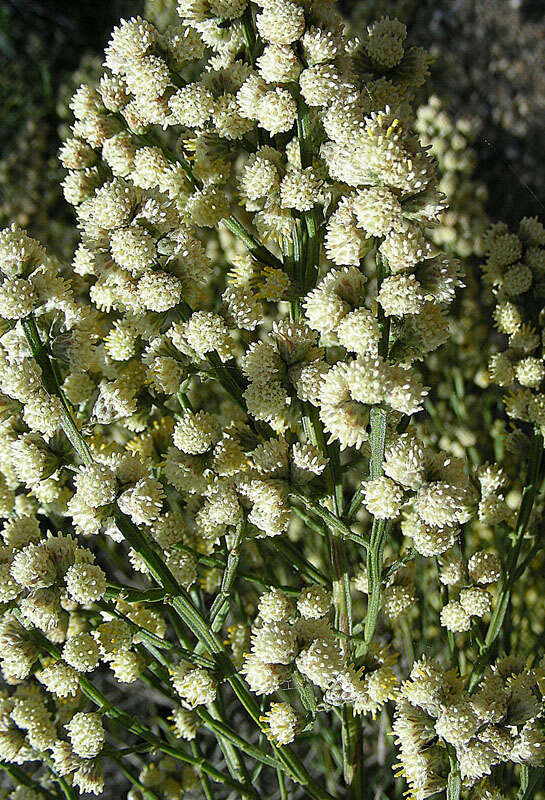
[[233, 470]]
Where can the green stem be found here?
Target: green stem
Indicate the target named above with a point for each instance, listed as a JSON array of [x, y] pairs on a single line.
[[20, 778], [220, 606], [144, 790], [332, 521], [454, 780], [511, 573]]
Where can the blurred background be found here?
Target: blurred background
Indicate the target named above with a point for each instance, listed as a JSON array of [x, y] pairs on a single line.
[[489, 68]]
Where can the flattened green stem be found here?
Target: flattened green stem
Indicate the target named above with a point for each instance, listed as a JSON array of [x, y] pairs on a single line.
[[454, 781], [220, 606], [253, 245], [379, 530], [331, 520]]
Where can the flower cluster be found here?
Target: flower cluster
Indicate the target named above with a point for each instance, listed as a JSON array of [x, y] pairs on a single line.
[[499, 723], [233, 471]]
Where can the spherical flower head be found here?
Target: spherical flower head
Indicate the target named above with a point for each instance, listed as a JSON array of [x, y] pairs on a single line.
[[131, 39], [440, 504], [265, 401], [274, 606], [113, 92], [299, 189], [321, 84], [281, 22], [196, 432], [276, 111], [18, 298], [476, 759], [274, 643], [150, 167], [242, 307], [454, 617], [398, 599], [314, 602], [308, 379], [404, 461], [184, 723], [324, 310], [345, 417], [261, 362], [458, 723], [383, 498], [377, 210], [531, 231], [118, 152], [484, 567], [309, 459], [278, 64], [192, 105], [262, 678], [147, 77], [113, 204], [476, 601], [508, 317], [76, 154], [166, 374], [260, 177], [205, 332], [493, 509], [345, 243], [112, 637], [127, 666], [400, 295], [33, 567], [43, 413], [143, 502], [81, 652], [517, 279], [530, 372], [429, 540], [228, 121], [85, 583], [96, 485], [280, 723], [504, 249], [321, 662], [133, 248], [86, 734], [30, 713], [384, 44], [405, 247], [20, 531], [60, 679], [195, 686], [359, 333], [18, 251], [80, 185], [207, 207], [159, 291]]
